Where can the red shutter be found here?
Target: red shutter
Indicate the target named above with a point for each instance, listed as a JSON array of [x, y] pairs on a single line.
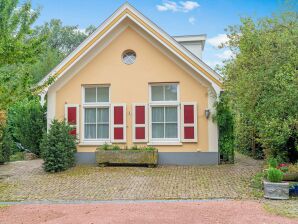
[[189, 122], [72, 118], [118, 123], [139, 123]]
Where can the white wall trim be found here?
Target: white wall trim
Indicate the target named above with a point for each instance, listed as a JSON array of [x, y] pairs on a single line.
[[212, 125]]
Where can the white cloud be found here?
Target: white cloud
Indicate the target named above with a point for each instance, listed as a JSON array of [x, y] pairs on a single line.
[[226, 54], [182, 6], [192, 20], [218, 40], [189, 5]]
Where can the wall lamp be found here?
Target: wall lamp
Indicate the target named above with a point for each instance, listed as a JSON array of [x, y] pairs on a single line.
[[207, 113]]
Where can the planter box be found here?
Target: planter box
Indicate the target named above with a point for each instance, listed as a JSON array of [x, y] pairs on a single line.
[[290, 177], [276, 190], [132, 157]]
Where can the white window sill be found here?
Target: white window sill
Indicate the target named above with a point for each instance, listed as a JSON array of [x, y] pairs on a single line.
[[94, 143], [164, 143]]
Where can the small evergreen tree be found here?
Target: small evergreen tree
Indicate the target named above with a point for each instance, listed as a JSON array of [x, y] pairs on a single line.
[[58, 147]]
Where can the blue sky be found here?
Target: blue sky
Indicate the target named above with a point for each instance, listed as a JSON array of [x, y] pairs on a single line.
[[180, 17]]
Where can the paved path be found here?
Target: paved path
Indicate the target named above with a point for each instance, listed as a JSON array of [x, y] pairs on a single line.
[[203, 212], [26, 180]]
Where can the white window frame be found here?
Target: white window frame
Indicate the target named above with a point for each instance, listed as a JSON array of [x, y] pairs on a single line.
[[95, 141], [164, 141]]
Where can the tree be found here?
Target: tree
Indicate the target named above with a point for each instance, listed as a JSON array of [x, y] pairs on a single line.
[[17, 45], [262, 84], [60, 41], [26, 124], [15, 82]]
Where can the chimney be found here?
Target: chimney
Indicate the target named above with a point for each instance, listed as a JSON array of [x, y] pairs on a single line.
[[194, 43]]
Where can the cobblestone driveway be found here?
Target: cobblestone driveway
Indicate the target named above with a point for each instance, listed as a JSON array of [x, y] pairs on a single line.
[[26, 180]]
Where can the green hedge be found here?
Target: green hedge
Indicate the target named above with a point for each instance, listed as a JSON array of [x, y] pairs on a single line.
[[26, 123], [58, 147]]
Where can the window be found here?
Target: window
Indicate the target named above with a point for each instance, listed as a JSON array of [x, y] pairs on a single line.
[[164, 92], [96, 113], [164, 113], [129, 57]]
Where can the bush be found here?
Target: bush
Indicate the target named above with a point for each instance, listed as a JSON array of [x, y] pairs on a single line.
[[275, 175], [58, 147], [26, 123], [18, 156], [272, 162], [4, 144]]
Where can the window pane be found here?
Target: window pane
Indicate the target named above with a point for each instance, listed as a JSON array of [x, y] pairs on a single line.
[[103, 115], [103, 131], [90, 131], [171, 114], [157, 93], [90, 115], [103, 94], [90, 95], [171, 92], [171, 131], [157, 130], [157, 114]]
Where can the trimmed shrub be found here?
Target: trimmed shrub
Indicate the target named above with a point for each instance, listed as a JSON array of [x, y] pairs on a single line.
[[58, 147], [26, 123], [275, 175]]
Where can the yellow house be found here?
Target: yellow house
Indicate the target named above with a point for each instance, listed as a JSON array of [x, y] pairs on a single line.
[[130, 83]]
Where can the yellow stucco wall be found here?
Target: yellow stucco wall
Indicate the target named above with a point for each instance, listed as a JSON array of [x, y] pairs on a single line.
[[130, 84]]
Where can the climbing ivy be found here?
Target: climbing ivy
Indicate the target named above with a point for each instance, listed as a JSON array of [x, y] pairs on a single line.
[[225, 123]]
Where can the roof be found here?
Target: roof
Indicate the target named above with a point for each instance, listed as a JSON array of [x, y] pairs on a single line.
[[124, 11]]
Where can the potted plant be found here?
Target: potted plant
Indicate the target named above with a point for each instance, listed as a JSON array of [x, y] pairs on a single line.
[[274, 188], [132, 156]]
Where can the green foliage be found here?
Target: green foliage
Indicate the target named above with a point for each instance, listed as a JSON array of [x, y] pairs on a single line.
[[149, 148], [272, 162], [225, 123], [58, 148], [105, 147], [134, 147], [115, 147], [261, 83], [60, 41], [274, 175], [5, 144], [26, 123], [17, 45], [18, 156], [15, 83]]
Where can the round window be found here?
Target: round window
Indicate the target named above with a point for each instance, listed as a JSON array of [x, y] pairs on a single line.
[[129, 57]]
